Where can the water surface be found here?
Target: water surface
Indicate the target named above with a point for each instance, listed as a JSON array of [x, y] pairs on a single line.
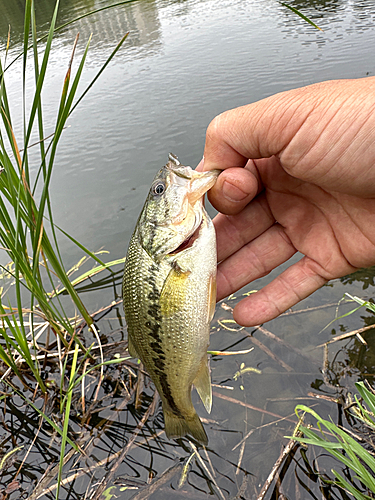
[[183, 63]]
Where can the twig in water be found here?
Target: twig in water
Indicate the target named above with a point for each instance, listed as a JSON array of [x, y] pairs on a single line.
[[96, 333], [148, 490], [108, 478], [41, 421], [260, 427], [247, 405], [221, 494], [286, 451], [242, 490], [288, 346], [269, 353], [350, 334], [82, 472], [308, 309], [140, 387], [240, 457], [209, 461], [42, 486]]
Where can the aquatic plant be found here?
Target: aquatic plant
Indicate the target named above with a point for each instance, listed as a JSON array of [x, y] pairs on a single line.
[[28, 234], [33, 316], [345, 446], [353, 447]]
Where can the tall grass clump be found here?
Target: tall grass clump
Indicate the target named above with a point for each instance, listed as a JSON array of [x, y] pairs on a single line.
[[354, 448], [27, 229], [348, 448]]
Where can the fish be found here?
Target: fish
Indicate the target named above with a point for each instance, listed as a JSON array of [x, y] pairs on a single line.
[[169, 293]]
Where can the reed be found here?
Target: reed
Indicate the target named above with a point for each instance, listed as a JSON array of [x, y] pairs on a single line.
[[345, 447], [28, 234], [353, 448]]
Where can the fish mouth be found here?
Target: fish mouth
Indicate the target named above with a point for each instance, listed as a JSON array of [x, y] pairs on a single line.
[[188, 242]]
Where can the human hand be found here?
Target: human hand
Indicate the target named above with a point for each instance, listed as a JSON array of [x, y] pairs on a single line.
[[299, 175]]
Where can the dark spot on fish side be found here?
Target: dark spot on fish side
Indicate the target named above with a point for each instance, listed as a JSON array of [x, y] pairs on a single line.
[[159, 363], [154, 311], [157, 348], [153, 296]]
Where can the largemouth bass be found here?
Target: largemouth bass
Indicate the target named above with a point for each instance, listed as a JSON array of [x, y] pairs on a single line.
[[169, 293]]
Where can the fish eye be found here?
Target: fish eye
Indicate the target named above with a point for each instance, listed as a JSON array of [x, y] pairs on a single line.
[[159, 188]]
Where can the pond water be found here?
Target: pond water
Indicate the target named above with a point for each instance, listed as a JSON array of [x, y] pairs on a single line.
[[184, 62]]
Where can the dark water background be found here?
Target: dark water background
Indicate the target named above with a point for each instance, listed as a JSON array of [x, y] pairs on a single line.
[[184, 62]]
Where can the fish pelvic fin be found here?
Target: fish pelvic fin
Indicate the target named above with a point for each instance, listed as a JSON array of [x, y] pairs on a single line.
[[177, 426], [202, 383]]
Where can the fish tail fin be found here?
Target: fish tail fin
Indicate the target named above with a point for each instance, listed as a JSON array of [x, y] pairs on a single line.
[[178, 426]]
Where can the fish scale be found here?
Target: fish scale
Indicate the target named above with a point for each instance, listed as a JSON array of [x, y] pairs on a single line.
[[169, 293]]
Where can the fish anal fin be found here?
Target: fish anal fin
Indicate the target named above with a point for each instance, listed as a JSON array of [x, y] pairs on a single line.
[[173, 293], [211, 297], [132, 350], [177, 426], [202, 383]]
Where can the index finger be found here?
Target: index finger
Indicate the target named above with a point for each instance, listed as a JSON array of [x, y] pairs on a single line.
[[258, 130]]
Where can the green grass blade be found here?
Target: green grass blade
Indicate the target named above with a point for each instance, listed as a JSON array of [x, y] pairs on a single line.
[[82, 247], [41, 76], [363, 303], [66, 418], [9, 360], [301, 15], [19, 344], [28, 6], [117, 48], [367, 396], [96, 367], [89, 274], [342, 446], [346, 486], [61, 119], [3, 94], [40, 261], [51, 256]]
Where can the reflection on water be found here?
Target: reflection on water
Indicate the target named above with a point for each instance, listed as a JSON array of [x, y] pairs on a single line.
[[139, 18], [323, 6], [351, 17]]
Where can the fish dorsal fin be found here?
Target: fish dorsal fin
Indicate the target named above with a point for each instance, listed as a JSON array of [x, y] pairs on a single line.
[[132, 351], [174, 291], [202, 383]]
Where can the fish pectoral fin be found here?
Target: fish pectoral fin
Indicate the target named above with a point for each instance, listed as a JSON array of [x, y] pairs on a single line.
[[202, 383], [211, 297], [177, 426], [173, 293], [132, 350]]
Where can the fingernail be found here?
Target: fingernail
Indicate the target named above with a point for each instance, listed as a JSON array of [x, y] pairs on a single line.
[[233, 192]]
